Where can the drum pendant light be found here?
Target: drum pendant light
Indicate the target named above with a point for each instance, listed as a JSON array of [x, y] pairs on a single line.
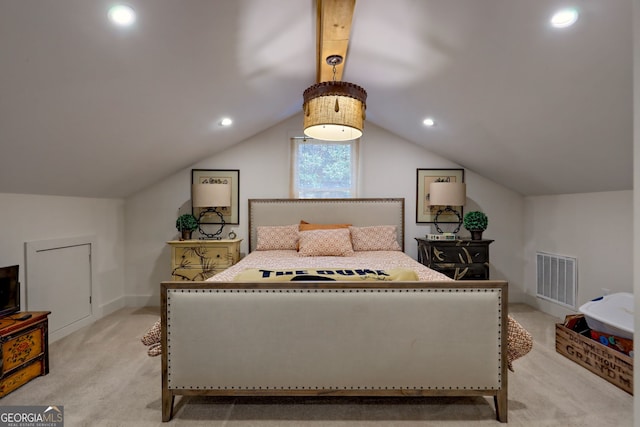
[[334, 110]]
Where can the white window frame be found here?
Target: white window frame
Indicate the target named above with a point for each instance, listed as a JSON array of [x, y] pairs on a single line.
[[294, 190]]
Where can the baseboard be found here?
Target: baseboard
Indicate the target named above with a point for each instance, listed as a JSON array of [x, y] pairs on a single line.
[[548, 307], [142, 301], [73, 327], [98, 313], [110, 307]]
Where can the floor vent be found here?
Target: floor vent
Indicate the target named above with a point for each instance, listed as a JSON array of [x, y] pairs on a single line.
[[556, 279]]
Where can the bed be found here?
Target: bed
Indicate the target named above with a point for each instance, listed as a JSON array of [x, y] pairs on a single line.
[[372, 322]]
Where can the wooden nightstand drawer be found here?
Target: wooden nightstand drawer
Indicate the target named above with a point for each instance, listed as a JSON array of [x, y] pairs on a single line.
[[458, 259], [197, 260], [460, 254], [202, 257], [463, 271]]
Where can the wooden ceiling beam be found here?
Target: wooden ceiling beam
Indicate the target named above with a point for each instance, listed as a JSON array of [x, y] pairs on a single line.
[[333, 31]]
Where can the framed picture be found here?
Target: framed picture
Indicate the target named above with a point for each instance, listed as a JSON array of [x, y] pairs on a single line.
[[230, 214], [424, 211]]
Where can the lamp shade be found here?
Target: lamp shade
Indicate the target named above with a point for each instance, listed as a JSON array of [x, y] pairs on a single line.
[[210, 195], [334, 111], [447, 193]]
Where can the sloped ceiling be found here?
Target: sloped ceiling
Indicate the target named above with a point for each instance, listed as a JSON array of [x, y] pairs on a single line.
[[89, 109]]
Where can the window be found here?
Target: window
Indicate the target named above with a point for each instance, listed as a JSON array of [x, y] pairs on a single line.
[[323, 169]]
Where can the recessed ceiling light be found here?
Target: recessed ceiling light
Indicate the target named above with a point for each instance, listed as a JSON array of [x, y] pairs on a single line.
[[429, 122], [122, 15], [564, 18], [226, 122]]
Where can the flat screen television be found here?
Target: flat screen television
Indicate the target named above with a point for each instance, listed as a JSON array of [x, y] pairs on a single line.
[[9, 290]]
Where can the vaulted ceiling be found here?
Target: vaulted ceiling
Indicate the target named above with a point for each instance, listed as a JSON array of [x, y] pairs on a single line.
[[90, 109]]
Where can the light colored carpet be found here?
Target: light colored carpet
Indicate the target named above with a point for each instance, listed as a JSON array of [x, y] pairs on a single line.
[[103, 377]]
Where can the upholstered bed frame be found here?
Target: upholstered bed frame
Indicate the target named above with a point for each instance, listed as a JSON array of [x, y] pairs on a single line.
[[360, 212], [334, 338]]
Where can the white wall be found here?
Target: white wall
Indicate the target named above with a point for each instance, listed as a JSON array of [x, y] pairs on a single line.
[[27, 218], [596, 228], [388, 169], [150, 218]]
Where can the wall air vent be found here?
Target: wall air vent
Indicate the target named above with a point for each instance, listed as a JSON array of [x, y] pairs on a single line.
[[556, 278]]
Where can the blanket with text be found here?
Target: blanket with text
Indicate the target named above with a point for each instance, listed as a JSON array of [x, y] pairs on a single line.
[[325, 274]]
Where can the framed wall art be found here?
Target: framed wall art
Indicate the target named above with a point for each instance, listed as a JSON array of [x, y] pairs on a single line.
[[230, 214], [425, 213]]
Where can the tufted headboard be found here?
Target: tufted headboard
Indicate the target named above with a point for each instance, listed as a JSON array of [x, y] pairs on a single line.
[[359, 212]]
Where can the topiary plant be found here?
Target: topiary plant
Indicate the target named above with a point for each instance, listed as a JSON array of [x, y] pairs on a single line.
[[475, 221], [186, 222]]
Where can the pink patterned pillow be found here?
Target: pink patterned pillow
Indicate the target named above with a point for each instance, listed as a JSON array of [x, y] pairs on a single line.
[[332, 242], [375, 238], [277, 237]]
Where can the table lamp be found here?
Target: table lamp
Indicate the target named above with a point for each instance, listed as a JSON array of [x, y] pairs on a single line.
[[210, 197], [447, 194]]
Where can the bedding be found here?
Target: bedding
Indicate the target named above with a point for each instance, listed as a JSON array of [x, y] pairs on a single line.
[[291, 259], [326, 274]]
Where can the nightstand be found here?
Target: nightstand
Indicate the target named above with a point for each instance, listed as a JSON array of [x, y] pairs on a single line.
[[200, 259], [458, 259]]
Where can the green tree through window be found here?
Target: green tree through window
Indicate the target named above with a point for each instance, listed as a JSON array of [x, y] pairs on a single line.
[[323, 169]]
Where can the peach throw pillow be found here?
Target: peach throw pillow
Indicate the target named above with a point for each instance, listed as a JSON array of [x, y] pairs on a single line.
[[277, 237], [375, 238], [331, 242]]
